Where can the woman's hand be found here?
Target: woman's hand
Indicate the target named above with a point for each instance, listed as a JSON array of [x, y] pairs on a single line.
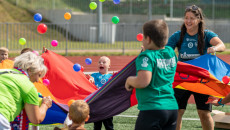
[[211, 50], [47, 101], [213, 100]]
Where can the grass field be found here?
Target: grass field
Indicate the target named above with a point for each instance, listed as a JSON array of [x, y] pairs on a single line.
[[128, 123]]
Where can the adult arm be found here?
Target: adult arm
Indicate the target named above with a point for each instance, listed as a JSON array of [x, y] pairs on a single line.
[[217, 45], [37, 114], [142, 80]]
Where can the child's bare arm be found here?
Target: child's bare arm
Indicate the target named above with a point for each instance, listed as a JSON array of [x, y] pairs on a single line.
[[91, 79], [142, 80]]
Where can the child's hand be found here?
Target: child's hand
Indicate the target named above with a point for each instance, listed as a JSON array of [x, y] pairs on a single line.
[[44, 49], [128, 87], [91, 79]]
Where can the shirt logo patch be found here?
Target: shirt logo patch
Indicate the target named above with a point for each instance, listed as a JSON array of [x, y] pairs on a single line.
[[145, 60], [103, 81], [190, 45]]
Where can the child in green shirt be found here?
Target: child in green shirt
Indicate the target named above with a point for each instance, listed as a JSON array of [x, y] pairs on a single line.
[[156, 67]]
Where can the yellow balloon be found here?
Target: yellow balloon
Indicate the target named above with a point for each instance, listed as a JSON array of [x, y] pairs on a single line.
[[67, 16]]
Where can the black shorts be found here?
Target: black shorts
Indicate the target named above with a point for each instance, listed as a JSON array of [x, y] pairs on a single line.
[[156, 120], [182, 97]]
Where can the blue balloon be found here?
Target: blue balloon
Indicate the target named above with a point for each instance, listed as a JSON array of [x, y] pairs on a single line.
[[116, 1], [88, 61], [76, 67], [37, 17]]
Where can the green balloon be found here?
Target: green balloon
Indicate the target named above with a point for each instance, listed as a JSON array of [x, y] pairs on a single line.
[[101, 0], [22, 41], [93, 5], [115, 19]]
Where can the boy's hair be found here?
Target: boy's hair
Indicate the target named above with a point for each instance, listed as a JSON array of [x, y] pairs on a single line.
[[4, 49], [106, 58], [79, 111], [158, 32], [26, 50]]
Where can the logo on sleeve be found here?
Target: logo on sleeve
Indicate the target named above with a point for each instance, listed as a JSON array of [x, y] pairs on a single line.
[[144, 63]]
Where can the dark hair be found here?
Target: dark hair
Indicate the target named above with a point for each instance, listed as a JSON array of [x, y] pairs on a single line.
[[26, 50], [199, 14], [158, 32]]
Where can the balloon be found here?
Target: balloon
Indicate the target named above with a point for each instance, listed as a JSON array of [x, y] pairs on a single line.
[[101, 0], [22, 41], [88, 61], [82, 68], [37, 17], [54, 43], [116, 1], [46, 82], [36, 52], [139, 37], [93, 5], [67, 16], [42, 28], [70, 102], [115, 19], [76, 67], [225, 79]]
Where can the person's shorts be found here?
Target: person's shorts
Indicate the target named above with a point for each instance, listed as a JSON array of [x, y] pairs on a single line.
[[182, 97], [156, 120]]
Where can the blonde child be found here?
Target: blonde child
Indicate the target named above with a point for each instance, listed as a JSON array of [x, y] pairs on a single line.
[[5, 63], [79, 114], [99, 79]]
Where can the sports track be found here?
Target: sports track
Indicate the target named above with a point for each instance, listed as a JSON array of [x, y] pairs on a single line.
[[118, 62]]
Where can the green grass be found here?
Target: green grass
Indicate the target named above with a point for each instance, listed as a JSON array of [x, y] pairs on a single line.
[[128, 123]]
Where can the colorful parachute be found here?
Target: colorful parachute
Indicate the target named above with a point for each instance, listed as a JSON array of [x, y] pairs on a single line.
[[65, 84], [203, 75], [112, 98]]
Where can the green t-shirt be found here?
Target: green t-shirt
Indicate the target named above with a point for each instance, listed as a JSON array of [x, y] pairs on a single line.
[[159, 94], [15, 91]]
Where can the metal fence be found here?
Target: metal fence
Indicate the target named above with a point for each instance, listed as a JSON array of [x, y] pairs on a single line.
[[82, 36]]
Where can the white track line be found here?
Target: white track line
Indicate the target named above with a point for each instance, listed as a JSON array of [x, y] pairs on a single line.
[[190, 119]]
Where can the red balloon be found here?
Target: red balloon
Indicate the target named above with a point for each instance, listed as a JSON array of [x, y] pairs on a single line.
[[139, 37], [42, 28], [225, 79], [82, 68]]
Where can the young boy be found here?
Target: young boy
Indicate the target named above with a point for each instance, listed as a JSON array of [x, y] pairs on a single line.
[[79, 114], [156, 67], [5, 63], [99, 79]]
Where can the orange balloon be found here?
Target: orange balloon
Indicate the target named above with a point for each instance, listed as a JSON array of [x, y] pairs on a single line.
[[70, 102], [67, 16]]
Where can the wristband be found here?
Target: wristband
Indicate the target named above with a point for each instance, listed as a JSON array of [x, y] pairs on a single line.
[[219, 102]]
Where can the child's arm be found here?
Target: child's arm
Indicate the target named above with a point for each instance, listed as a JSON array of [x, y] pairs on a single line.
[[91, 79], [142, 80]]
